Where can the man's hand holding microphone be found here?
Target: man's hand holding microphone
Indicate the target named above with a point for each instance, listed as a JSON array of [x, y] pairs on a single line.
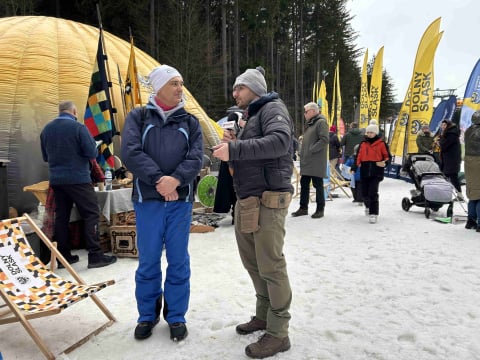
[[220, 151]]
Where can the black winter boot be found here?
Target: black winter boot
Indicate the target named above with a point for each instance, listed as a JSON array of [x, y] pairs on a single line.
[[471, 224], [300, 212], [317, 214], [144, 328], [178, 331]]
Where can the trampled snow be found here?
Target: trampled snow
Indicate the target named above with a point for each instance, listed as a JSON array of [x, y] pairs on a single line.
[[407, 287]]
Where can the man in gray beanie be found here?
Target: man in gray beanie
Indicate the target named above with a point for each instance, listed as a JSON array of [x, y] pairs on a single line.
[[261, 159], [253, 79]]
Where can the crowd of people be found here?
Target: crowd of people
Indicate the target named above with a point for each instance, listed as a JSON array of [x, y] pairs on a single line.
[[163, 148]]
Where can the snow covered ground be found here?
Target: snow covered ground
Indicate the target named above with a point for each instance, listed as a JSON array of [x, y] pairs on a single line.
[[405, 288]]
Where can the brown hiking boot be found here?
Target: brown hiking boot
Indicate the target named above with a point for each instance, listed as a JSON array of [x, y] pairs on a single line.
[[300, 212], [253, 325], [267, 345]]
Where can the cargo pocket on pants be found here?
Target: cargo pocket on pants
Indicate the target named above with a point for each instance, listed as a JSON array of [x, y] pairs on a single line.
[[249, 214]]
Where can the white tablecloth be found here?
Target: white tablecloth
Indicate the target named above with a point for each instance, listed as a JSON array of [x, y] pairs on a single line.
[[110, 202]]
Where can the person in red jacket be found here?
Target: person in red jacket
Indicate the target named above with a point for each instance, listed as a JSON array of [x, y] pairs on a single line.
[[372, 157]]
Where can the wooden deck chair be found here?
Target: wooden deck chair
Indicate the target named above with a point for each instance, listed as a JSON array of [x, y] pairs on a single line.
[[338, 181], [296, 180], [30, 290], [327, 190]]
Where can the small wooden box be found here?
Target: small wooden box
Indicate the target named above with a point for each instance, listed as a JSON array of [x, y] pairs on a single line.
[[124, 241]]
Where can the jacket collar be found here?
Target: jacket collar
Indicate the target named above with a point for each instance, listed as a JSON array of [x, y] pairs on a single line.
[[256, 105], [314, 119]]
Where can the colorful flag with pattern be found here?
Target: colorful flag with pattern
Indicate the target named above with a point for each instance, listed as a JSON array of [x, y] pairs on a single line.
[[98, 113]]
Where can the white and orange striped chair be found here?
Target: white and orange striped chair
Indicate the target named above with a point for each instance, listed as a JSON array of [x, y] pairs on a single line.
[[30, 290]]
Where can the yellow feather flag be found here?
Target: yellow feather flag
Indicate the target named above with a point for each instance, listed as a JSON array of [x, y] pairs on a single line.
[[375, 93], [398, 138], [364, 98], [421, 96], [397, 144], [339, 95], [132, 86], [334, 95], [322, 100]]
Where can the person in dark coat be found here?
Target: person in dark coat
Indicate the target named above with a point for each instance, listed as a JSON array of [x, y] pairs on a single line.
[[451, 154], [353, 137], [424, 140], [334, 148], [68, 147], [261, 158], [225, 197], [472, 171], [313, 160], [295, 148]]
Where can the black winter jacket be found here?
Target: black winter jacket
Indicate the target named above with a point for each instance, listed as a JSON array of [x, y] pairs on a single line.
[[261, 156], [334, 150], [450, 150]]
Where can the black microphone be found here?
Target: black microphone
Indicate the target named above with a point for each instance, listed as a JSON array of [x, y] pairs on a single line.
[[235, 116], [232, 122]]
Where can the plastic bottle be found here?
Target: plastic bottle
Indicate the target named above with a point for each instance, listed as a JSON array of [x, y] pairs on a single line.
[[108, 180]]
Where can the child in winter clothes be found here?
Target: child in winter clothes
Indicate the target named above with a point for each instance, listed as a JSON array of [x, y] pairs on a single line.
[[372, 157], [355, 180]]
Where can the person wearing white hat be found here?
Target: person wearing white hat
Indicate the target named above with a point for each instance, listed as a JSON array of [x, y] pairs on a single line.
[[162, 146], [372, 157]]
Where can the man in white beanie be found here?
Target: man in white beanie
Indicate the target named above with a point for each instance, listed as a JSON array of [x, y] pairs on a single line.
[[261, 159], [162, 146], [372, 158]]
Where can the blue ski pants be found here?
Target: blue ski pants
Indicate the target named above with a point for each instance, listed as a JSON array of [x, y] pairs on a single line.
[[163, 224]]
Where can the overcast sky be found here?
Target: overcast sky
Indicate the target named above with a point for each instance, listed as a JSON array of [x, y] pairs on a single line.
[[398, 25]]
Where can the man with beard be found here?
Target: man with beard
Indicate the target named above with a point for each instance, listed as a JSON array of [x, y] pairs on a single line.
[[261, 158]]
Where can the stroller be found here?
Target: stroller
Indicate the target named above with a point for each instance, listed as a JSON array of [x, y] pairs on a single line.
[[432, 189]]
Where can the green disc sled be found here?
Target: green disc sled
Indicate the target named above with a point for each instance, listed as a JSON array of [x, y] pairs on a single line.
[[206, 190]]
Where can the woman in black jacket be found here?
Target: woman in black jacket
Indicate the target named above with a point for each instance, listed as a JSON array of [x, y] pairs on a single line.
[[450, 154]]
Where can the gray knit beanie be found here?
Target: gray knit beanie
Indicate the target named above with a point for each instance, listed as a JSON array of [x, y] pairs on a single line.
[[253, 79]]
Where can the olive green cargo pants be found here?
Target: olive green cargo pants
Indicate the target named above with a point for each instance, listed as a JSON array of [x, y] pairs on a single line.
[[262, 256]]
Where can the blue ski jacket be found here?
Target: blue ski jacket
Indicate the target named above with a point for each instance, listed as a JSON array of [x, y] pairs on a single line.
[[156, 145]]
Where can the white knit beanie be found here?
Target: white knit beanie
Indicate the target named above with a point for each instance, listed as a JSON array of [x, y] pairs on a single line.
[[372, 128], [253, 79], [161, 75]]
